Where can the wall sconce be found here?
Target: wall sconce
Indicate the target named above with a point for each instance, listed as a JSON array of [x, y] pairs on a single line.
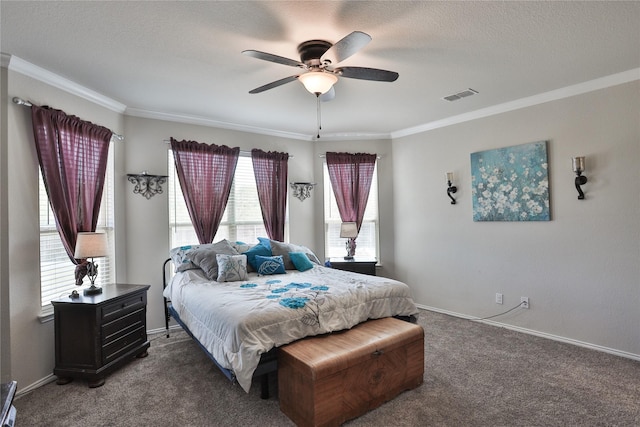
[[146, 184], [451, 188], [578, 168], [302, 190]]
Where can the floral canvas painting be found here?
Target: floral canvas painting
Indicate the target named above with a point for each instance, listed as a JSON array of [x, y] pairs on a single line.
[[511, 184]]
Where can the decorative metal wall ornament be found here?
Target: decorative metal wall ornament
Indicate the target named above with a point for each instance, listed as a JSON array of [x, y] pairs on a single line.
[[451, 189], [302, 190], [578, 167], [146, 184]]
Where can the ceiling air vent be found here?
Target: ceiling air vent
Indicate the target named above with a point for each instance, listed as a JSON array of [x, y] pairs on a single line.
[[460, 95]]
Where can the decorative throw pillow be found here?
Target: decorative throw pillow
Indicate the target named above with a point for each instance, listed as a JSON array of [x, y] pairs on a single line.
[[231, 268], [265, 242], [266, 265], [281, 248], [301, 261], [179, 258], [257, 250], [204, 257]]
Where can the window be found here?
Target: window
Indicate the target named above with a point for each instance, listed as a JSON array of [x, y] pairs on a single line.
[[242, 219], [57, 272], [367, 241]]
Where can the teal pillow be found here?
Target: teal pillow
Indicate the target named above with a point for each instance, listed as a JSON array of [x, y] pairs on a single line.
[[266, 265], [265, 242], [301, 261], [257, 250]]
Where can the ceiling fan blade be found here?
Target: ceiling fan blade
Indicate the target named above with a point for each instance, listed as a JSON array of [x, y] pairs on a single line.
[[274, 84], [329, 95], [365, 73], [273, 58], [346, 47]]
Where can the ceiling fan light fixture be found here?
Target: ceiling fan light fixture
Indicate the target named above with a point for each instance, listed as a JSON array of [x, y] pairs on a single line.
[[318, 82]]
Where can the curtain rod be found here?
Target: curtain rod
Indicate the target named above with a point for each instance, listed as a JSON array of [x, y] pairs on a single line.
[[324, 155], [20, 101], [243, 152]]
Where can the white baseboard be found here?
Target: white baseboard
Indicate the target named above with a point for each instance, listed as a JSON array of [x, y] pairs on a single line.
[[46, 380], [537, 333]]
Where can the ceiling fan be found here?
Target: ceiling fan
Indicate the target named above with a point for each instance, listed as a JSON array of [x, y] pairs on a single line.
[[318, 59]]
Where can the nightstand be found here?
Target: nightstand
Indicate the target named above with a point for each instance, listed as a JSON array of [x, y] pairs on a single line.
[[355, 265], [97, 334]]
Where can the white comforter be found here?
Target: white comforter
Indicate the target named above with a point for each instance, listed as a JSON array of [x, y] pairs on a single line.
[[238, 321]]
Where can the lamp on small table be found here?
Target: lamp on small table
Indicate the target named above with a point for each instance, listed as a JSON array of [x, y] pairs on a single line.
[[349, 230], [91, 245]]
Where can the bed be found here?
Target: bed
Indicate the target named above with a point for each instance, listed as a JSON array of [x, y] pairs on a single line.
[[240, 302]]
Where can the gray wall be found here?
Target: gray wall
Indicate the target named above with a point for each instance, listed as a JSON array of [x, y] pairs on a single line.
[[581, 270]]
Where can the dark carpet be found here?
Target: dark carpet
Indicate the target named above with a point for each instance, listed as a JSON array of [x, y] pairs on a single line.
[[475, 375]]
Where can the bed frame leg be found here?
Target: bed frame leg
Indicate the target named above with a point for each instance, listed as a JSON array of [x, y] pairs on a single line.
[[264, 386]]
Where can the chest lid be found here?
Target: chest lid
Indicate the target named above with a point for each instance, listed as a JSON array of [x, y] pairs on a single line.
[[323, 355]]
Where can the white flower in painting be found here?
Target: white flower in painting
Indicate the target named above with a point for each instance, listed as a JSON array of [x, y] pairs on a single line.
[[486, 194], [523, 215], [512, 158], [526, 189], [544, 166], [515, 207], [539, 173], [505, 188], [526, 196], [481, 186], [514, 194], [493, 180], [514, 177]]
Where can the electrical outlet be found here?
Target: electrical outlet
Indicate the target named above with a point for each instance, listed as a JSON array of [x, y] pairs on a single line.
[[498, 298], [524, 302]]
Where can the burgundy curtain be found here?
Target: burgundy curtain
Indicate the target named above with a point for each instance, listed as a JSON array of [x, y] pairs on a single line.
[[73, 160], [205, 173], [270, 169], [351, 176]]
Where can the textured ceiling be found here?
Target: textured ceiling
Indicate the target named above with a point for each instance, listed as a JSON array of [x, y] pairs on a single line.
[[183, 59]]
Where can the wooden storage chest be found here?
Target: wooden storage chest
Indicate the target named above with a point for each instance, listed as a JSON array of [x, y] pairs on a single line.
[[329, 379]]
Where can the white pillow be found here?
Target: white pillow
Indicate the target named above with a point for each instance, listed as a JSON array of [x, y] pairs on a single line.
[[231, 268]]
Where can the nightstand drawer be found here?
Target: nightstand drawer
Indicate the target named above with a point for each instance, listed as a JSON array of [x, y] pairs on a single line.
[[123, 306], [113, 330], [123, 345]]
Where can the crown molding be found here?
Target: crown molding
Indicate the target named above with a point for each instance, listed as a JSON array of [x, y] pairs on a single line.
[[203, 121], [554, 95], [21, 66], [30, 70]]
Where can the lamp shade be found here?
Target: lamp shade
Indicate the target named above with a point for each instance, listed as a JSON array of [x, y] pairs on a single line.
[[318, 82], [90, 245], [349, 230]]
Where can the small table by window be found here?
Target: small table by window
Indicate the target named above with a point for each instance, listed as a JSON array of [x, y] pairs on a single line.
[[355, 265]]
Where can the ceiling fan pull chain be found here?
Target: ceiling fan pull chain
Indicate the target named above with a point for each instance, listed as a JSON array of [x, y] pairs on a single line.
[[318, 114]]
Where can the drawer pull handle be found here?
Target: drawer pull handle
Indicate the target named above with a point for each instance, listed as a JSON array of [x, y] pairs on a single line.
[[378, 352]]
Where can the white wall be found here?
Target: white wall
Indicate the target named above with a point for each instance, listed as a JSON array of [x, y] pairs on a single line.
[[581, 270]]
